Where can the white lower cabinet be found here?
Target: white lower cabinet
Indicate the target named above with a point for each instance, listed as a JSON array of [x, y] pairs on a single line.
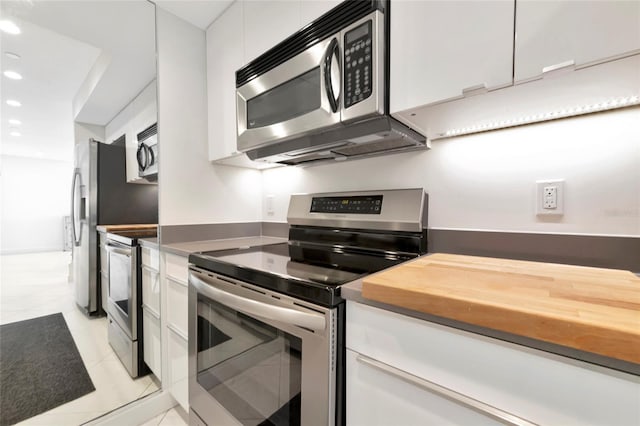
[[152, 341], [177, 308], [151, 328], [178, 366], [383, 396], [175, 287], [406, 371]]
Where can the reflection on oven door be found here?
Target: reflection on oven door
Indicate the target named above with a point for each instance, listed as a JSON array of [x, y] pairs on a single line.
[[251, 368]]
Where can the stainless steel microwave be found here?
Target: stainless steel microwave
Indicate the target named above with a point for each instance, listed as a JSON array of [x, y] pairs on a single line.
[[323, 92]]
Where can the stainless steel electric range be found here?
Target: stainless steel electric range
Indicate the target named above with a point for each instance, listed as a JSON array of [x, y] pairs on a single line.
[[266, 323]]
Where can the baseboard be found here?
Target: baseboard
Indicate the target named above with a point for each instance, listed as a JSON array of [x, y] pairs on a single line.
[[137, 412]]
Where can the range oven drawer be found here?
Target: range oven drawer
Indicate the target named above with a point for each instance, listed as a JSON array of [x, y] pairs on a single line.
[[125, 348]]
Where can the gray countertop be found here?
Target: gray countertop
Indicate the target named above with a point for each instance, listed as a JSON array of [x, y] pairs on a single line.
[[186, 248]]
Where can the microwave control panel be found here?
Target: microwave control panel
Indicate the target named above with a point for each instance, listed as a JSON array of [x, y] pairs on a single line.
[[358, 61]]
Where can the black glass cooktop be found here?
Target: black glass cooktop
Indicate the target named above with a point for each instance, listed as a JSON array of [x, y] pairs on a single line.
[[309, 272]]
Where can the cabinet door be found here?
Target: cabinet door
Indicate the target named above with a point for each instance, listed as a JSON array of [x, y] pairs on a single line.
[[267, 23], [178, 366], [152, 344], [311, 10], [225, 45], [151, 290], [377, 397], [550, 33], [145, 108], [442, 49]]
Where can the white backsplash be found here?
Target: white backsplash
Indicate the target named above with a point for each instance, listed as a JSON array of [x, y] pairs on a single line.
[[486, 181]]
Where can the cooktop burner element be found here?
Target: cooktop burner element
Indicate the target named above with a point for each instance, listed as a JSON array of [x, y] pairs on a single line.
[[276, 259], [334, 238]]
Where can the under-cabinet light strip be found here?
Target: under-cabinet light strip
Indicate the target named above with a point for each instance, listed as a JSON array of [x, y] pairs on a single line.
[[552, 115]]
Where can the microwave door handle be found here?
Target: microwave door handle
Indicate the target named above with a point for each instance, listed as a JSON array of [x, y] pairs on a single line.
[[152, 155], [259, 309], [142, 157], [332, 73]]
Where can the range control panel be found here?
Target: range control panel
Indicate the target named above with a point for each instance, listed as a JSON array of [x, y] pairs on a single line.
[[358, 61], [371, 204]]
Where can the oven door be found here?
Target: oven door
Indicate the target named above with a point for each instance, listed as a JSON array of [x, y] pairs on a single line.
[[298, 96], [122, 296], [258, 357]]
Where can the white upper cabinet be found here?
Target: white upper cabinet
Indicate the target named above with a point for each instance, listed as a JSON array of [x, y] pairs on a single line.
[[310, 10], [145, 108], [556, 34], [267, 23], [225, 41], [139, 114], [442, 50]]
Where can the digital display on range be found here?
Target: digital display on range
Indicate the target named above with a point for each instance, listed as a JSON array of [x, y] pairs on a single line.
[[371, 204]]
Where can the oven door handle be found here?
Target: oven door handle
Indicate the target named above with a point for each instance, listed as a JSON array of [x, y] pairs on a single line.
[[118, 250], [252, 307]]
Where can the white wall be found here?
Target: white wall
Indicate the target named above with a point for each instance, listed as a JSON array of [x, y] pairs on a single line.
[[487, 181], [192, 190], [35, 195]]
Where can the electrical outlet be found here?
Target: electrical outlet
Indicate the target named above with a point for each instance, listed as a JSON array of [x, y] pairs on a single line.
[[270, 209], [549, 197]]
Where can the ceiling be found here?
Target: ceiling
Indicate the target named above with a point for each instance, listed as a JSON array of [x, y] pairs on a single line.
[[200, 13], [80, 60]]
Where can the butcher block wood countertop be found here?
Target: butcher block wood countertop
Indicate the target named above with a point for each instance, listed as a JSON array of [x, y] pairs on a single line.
[[129, 227], [589, 309]]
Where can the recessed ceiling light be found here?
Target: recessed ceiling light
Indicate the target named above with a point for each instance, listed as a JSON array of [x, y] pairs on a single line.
[[9, 27], [12, 75], [15, 133], [15, 122], [13, 103], [11, 55]]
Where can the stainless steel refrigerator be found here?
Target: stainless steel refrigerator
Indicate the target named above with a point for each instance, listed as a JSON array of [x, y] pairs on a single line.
[[101, 196]]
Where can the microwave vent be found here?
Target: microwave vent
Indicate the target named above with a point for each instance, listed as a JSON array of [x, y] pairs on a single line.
[[328, 24], [373, 147], [148, 132]]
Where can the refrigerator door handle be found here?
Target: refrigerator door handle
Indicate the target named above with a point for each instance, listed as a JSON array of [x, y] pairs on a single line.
[[76, 211]]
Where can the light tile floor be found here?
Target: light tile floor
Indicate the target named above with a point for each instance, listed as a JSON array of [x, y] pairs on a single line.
[[33, 285], [174, 417]]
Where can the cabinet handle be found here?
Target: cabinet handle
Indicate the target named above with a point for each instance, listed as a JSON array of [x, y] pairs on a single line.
[[151, 311], [177, 331], [477, 89], [150, 270], [566, 66], [474, 404]]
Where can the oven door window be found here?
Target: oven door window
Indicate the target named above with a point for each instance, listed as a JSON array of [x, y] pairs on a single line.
[[252, 369], [292, 99], [120, 281]]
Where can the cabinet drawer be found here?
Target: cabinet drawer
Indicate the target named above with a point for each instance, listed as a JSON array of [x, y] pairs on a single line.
[[178, 366], [151, 258], [177, 267], [390, 400], [151, 289], [534, 385], [177, 305], [152, 342]]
